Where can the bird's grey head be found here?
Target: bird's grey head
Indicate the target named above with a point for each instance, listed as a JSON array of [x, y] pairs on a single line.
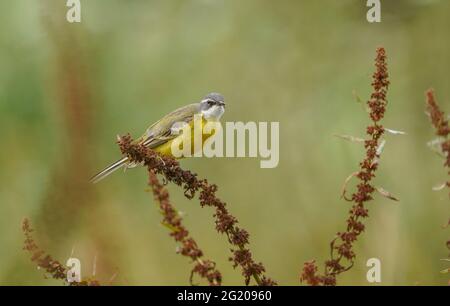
[[212, 106]]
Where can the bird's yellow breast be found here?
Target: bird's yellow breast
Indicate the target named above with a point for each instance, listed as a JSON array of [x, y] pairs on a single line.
[[166, 148]]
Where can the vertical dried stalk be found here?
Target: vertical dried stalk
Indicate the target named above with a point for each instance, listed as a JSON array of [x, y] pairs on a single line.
[[225, 222], [74, 103], [342, 253], [172, 220], [73, 97], [440, 123]]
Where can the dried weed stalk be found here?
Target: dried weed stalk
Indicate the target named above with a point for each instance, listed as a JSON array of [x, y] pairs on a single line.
[[54, 268], [191, 184], [441, 126], [189, 248], [342, 252]]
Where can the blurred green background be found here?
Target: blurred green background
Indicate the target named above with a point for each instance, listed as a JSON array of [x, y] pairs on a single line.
[[67, 90]]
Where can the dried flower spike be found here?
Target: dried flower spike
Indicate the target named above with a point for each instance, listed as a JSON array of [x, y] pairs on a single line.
[[441, 125], [192, 185], [172, 220], [342, 253], [53, 267]]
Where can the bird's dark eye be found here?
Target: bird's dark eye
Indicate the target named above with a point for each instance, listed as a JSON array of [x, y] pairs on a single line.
[[210, 102]]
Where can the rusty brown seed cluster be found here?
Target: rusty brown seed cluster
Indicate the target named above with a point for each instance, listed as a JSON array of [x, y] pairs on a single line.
[[44, 261], [189, 248], [342, 253], [192, 185], [440, 123], [441, 126]]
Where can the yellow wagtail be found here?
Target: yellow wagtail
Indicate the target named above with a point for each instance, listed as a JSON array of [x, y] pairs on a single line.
[[160, 135]]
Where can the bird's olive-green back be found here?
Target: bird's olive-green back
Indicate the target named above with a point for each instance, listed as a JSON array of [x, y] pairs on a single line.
[[160, 131]]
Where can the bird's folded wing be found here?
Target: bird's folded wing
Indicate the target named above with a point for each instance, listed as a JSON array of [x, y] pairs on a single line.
[[157, 139], [168, 127]]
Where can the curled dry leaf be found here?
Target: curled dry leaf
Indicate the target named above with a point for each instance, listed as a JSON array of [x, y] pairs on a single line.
[[344, 187], [445, 271], [394, 132], [380, 147], [378, 151], [435, 145], [349, 138], [386, 194], [440, 187]]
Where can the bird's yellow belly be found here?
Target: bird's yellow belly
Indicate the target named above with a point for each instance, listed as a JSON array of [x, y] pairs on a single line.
[[166, 148]]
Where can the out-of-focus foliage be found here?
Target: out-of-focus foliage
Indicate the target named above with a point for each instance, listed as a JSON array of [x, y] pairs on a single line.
[[66, 90]]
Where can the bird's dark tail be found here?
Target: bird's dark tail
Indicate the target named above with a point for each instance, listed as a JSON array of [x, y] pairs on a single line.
[[108, 170]]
